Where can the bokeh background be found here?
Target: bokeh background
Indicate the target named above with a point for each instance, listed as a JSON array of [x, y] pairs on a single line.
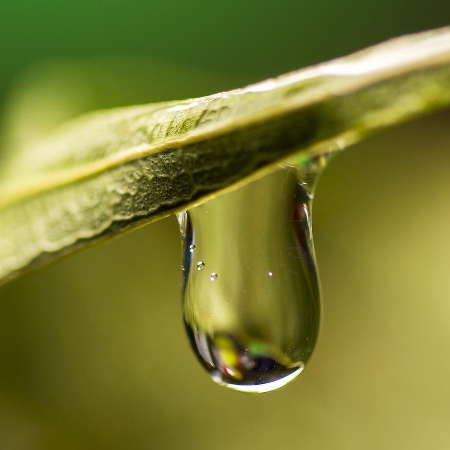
[[92, 350]]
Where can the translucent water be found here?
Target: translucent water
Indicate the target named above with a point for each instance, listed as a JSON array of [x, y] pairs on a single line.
[[253, 317]]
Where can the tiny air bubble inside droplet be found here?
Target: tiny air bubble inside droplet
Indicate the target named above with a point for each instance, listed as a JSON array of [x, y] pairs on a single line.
[[213, 276], [200, 265]]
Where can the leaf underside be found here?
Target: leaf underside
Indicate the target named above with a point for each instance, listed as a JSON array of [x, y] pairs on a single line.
[[109, 171]]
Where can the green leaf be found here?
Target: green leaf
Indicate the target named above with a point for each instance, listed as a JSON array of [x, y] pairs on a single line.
[[109, 171]]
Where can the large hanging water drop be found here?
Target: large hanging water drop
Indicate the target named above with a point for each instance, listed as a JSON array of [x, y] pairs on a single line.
[[253, 317]]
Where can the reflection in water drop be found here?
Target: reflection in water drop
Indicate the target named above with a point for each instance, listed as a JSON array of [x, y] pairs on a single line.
[[192, 248], [254, 331]]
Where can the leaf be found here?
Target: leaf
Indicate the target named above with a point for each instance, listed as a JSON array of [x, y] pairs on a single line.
[[109, 171]]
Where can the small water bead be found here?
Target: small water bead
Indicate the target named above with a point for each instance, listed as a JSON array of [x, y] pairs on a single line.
[[192, 248], [255, 332]]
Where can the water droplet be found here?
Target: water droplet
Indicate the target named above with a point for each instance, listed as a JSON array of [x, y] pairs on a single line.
[[213, 276], [252, 334], [192, 248]]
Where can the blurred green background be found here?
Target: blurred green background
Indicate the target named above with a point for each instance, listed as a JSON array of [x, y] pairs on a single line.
[[92, 350]]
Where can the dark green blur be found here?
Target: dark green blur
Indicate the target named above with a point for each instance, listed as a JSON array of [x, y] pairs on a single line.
[[93, 354]]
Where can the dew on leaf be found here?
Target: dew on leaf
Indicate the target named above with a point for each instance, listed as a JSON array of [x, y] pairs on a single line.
[[251, 334]]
